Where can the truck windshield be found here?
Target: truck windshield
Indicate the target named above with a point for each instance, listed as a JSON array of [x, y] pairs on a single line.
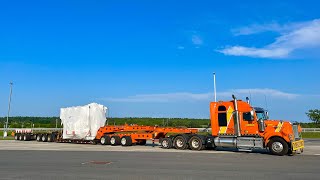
[[261, 115]]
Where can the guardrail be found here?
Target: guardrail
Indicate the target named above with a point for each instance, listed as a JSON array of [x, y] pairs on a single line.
[[199, 129], [310, 129]]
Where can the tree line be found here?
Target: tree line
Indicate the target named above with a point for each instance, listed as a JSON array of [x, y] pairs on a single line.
[[52, 122]]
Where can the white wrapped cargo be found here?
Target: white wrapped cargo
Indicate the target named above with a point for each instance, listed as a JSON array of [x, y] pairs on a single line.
[[82, 122]]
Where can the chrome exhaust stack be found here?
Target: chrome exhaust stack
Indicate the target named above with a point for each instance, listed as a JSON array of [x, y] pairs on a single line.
[[236, 117], [248, 101]]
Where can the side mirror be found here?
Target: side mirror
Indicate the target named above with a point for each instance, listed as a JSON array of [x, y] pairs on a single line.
[[252, 115]]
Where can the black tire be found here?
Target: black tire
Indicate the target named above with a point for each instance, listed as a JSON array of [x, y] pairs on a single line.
[[44, 138], [26, 137], [16, 136], [105, 140], [180, 142], [196, 143], [39, 137], [166, 143], [49, 137], [278, 146], [115, 141], [126, 141], [21, 137]]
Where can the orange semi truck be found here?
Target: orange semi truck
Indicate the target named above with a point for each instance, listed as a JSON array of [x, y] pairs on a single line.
[[234, 124]]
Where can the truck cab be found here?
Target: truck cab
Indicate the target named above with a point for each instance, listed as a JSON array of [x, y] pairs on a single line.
[[237, 124]]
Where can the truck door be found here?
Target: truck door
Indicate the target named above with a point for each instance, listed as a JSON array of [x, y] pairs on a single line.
[[249, 125]]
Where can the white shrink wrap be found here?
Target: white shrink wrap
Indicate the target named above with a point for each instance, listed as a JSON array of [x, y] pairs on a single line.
[[82, 122]]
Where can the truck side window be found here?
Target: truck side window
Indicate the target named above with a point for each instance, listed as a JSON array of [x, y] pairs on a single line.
[[222, 116], [246, 116]]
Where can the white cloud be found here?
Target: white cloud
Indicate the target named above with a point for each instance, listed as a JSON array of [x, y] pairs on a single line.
[[268, 92], [271, 27], [303, 36], [184, 96], [196, 40], [181, 47], [256, 52], [169, 97]]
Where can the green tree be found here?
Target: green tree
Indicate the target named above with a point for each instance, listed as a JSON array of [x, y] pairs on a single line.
[[314, 115]]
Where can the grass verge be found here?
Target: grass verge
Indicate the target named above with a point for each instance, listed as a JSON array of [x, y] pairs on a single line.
[[310, 134], [9, 137]]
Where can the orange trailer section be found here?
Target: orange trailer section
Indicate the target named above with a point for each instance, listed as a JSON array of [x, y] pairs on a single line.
[[139, 133]]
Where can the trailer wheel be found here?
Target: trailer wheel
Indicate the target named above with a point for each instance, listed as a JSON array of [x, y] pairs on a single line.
[[166, 143], [16, 136], [278, 146], [180, 142], [44, 138], [21, 137], [115, 140], [105, 140], [196, 143], [49, 138], [39, 137], [126, 141], [26, 137]]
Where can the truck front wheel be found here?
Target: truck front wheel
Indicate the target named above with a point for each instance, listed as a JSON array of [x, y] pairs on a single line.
[[278, 146]]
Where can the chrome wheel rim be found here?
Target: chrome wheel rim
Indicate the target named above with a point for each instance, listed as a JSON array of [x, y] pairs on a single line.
[[123, 141], [165, 143], [179, 143], [112, 140], [103, 140], [277, 147], [195, 143]]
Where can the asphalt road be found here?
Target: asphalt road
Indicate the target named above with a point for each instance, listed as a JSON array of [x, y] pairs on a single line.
[[154, 165], [150, 163]]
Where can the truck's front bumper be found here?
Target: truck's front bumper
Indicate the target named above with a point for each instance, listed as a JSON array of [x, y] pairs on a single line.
[[297, 145]]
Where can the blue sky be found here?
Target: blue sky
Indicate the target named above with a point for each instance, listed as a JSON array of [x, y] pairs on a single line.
[[156, 58]]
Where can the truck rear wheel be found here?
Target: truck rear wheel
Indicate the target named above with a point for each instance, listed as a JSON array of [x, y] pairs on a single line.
[[196, 143], [180, 142], [126, 141], [166, 143], [115, 140], [278, 146]]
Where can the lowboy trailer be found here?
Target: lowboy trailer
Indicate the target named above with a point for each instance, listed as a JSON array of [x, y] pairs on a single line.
[[234, 124]]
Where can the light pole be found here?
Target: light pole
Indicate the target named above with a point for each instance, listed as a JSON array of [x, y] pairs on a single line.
[[214, 87], [5, 134]]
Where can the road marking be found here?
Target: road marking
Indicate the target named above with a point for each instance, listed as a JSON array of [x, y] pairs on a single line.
[[317, 154]]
